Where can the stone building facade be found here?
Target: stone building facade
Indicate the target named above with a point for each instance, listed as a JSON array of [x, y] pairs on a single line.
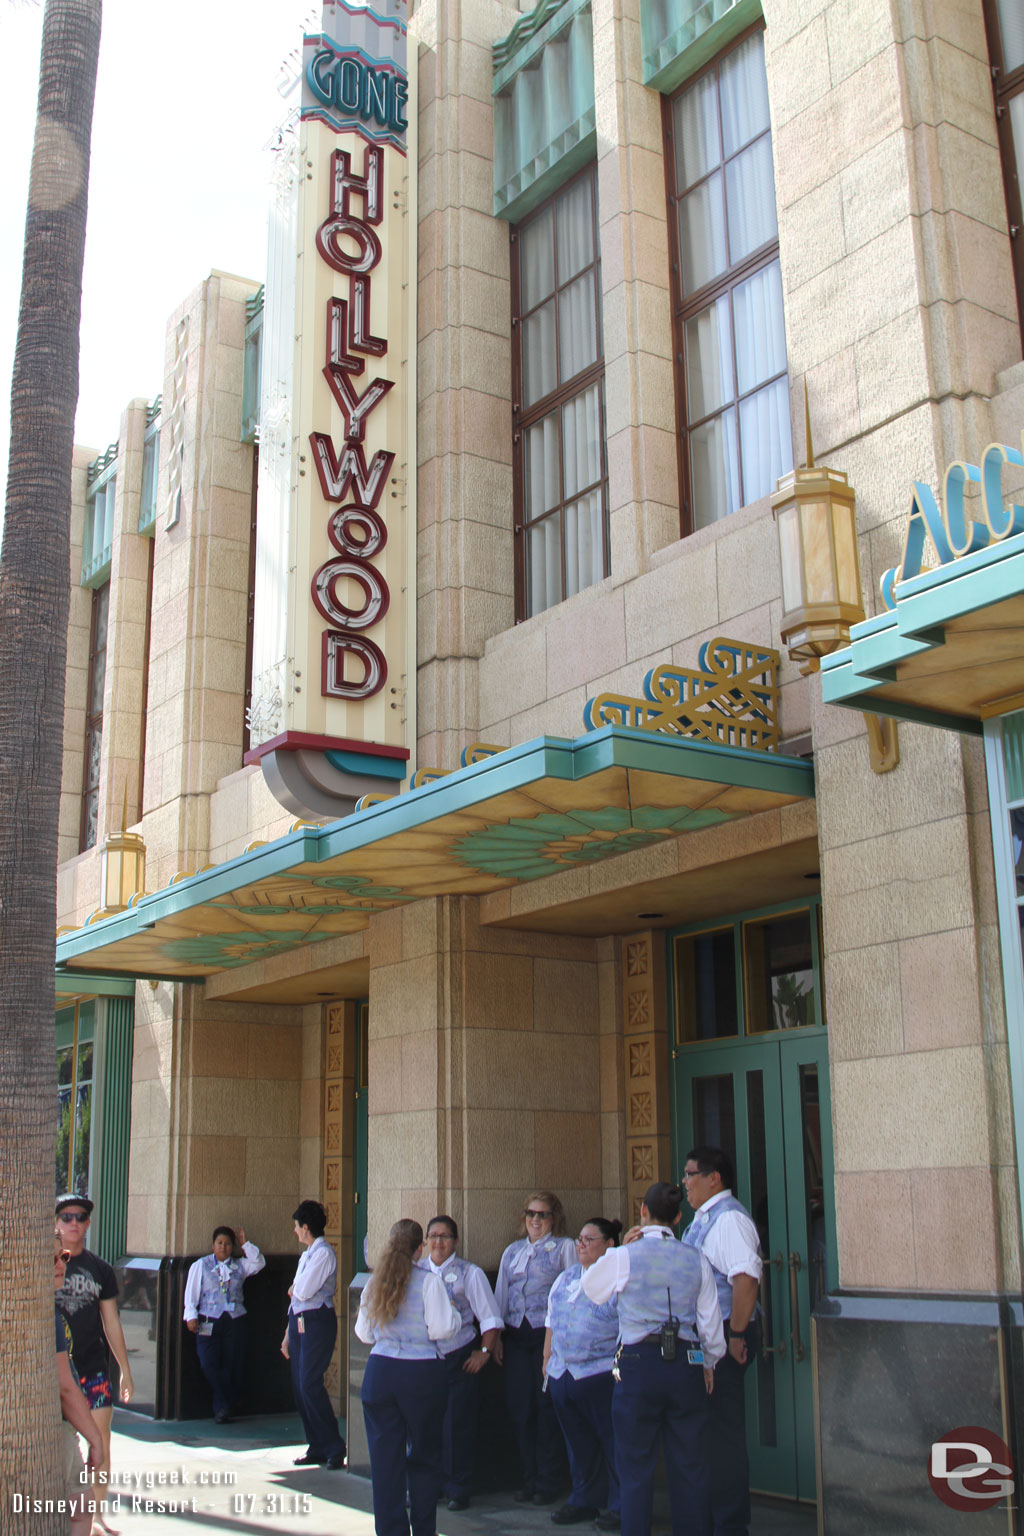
[[814, 966]]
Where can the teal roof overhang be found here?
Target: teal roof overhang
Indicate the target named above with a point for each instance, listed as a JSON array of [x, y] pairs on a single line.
[[516, 816], [950, 653]]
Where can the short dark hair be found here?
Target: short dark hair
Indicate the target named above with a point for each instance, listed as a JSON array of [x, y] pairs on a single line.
[[608, 1228], [664, 1202], [444, 1221], [223, 1232], [714, 1160], [311, 1214]]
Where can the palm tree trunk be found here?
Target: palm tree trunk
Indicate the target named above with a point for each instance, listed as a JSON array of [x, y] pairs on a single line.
[[34, 569]]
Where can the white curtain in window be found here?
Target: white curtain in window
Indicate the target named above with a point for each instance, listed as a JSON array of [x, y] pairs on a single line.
[[766, 441], [584, 543], [542, 488], [744, 94], [1016, 105], [702, 246], [577, 327], [581, 441], [1011, 27], [544, 564], [760, 328], [575, 226], [539, 361], [708, 360], [750, 195], [536, 260], [695, 122], [714, 469]]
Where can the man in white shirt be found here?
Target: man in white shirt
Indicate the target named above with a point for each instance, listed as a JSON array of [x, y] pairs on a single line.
[[311, 1336], [724, 1233]]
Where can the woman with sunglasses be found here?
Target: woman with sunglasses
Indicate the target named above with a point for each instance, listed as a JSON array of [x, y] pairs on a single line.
[[578, 1351], [529, 1268]]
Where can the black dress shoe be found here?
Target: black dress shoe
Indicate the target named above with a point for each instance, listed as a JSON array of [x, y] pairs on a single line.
[[336, 1463], [459, 1501], [544, 1496], [574, 1514], [524, 1495], [222, 1418], [309, 1460]]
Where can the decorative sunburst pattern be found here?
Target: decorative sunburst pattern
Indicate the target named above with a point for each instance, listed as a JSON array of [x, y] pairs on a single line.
[[528, 847]]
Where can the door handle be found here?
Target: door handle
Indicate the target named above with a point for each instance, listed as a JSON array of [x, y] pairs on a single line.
[[794, 1303], [779, 1348]]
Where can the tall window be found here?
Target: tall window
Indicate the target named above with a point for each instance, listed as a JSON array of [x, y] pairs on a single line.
[[1004, 20], [560, 466], [732, 392], [76, 1029], [94, 716]]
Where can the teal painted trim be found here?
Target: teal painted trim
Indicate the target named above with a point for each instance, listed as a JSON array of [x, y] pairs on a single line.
[[97, 574], [358, 763], [671, 57], [101, 469], [925, 605], [111, 1192], [544, 116], [512, 53], [1009, 930], [1013, 757], [92, 984], [518, 768], [569, 153]]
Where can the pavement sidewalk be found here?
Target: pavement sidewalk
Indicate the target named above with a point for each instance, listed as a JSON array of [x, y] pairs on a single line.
[[239, 1478]]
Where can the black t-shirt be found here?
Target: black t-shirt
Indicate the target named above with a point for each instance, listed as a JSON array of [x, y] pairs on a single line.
[[63, 1333], [88, 1280]]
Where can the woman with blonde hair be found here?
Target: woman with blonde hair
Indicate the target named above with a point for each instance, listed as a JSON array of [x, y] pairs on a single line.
[[529, 1268], [404, 1313]]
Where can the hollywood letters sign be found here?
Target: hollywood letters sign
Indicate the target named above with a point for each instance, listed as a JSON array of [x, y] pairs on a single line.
[[951, 525]]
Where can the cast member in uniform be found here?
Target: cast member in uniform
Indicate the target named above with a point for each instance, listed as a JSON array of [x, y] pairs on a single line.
[[88, 1299], [77, 1420], [406, 1315], [310, 1337], [578, 1353], [661, 1396], [468, 1291], [724, 1233], [215, 1314], [529, 1268]]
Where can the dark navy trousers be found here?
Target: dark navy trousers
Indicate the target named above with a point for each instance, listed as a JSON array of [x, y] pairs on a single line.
[[461, 1421], [403, 1410], [310, 1354], [222, 1360], [661, 1404], [730, 1469], [531, 1410], [584, 1410]]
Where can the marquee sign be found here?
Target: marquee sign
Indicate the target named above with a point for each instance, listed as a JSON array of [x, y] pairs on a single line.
[[948, 525], [333, 678]]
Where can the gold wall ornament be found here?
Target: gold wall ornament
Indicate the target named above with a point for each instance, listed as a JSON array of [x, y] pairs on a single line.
[[730, 699], [815, 512]]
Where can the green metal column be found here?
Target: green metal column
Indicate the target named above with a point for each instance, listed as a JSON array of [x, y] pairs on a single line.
[[111, 1193]]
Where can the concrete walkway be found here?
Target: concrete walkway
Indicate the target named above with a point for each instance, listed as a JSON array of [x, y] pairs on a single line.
[[239, 1477]]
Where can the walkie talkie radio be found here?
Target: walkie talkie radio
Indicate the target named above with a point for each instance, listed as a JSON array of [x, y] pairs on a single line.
[[669, 1332]]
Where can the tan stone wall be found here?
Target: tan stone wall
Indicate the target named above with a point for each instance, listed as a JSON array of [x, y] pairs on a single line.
[[486, 1082]]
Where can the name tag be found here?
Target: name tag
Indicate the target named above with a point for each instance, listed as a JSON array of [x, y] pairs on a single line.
[[300, 1322], [450, 1278], [205, 1329], [572, 1290], [695, 1356]]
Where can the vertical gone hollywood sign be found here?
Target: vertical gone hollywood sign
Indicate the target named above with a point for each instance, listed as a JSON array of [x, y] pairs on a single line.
[[357, 531]]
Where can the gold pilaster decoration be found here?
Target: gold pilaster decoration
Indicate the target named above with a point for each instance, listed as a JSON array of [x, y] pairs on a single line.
[[645, 1048], [730, 699], [816, 522], [336, 1182]]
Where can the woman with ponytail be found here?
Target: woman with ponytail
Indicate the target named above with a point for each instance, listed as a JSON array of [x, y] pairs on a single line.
[[404, 1313]]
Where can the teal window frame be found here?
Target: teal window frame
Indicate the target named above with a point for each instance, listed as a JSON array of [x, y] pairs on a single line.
[[150, 469], [252, 366], [76, 1027], [98, 535], [678, 37], [1004, 762]]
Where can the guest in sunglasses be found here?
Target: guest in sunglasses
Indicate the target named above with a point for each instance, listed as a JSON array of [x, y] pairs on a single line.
[[77, 1420], [529, 1268]]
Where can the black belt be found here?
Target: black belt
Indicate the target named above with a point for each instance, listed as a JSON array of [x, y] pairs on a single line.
[[655, 1338]]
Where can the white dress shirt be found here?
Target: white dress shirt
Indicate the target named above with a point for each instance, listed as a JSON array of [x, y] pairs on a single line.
[[442, 1320], [609, 1275], [476, 1291], [315, 1277], [252, 1261], [732, 1245]]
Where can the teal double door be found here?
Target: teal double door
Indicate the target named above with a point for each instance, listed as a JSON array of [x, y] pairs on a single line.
[[763, 1095]]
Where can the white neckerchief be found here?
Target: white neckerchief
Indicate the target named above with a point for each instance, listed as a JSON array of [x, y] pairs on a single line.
[[519, 1260]]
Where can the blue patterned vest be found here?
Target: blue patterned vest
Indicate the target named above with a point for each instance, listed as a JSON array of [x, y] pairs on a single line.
[[453, 1278], [406, 1336], [696, 1234], [216, 1297], [583, 1335], [528, 1291], [657, 1266]]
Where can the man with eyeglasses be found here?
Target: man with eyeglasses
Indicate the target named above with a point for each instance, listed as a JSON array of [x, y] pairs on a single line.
[[88, 1298], [723, 1231]]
